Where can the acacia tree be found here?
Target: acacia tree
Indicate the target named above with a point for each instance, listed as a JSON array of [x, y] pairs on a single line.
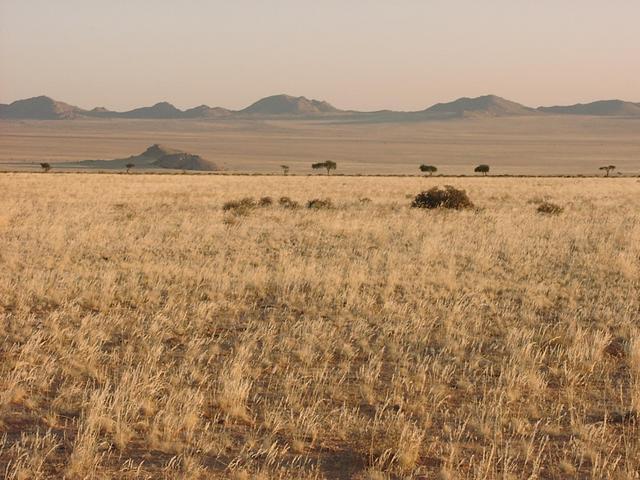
[[329, 165], [129, 166], [45, 166], [483, 169], [607, 169], [285, 169], [428, 168]]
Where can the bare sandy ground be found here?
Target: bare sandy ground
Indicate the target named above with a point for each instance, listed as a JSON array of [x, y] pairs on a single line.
[[517, 145]]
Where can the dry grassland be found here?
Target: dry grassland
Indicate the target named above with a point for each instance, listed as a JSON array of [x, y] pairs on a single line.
[[148, 333]]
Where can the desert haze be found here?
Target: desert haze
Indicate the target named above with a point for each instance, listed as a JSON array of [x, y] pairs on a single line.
[[296, 131], [550, 145], [512, 138]]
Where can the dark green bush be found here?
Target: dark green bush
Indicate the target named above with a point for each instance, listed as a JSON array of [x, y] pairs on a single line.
[[446, 197]]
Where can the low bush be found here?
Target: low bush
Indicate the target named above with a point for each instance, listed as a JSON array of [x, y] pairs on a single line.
[[265, 202], [318, 203], [239, 206], [286, 202], [446, 197], [549, 208]]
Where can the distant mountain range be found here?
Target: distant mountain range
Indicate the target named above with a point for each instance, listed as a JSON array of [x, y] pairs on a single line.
[[602, 107], [45, 108]]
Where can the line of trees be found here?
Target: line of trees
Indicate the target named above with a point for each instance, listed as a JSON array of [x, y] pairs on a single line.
[[431, 169], [330, 165], [483, 168]]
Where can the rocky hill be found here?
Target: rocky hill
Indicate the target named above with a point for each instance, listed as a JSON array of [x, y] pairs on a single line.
[[288, 105], [487, 105], [156, 156]]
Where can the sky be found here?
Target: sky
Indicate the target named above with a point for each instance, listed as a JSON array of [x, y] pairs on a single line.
[[356, 54]]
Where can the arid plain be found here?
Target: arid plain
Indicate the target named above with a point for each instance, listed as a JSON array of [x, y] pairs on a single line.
[[149, 333], [529, 145]]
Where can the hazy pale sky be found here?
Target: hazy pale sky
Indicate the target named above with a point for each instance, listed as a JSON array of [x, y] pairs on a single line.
[[357, 54]]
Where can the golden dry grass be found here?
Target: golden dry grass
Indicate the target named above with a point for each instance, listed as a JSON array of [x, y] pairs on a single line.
[[147, 333]]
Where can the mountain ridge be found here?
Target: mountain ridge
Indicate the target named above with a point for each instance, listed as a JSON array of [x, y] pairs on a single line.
[[598, 108], [489, 105], [39, 108], [288, 105], [282, 105]]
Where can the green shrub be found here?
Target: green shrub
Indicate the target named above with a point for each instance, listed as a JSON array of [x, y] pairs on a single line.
[[447, 197]]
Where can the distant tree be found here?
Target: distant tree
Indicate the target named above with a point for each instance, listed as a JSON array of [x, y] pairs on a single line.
[[483, 169], [428, 168], [608, 168], [45, 167], [129, 166], [329, 165], [285, 169]]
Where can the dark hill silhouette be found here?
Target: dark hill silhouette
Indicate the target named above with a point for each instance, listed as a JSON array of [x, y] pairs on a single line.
[[156, 151], [156, 156], [40, 108], [185, 161], [288, 105], [600, 108], [159, 110], [100, 112], [489, 105], [205, 111]]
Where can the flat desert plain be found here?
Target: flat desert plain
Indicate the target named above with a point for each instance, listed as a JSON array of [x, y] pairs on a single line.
[[148, 331], [545, 145]]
